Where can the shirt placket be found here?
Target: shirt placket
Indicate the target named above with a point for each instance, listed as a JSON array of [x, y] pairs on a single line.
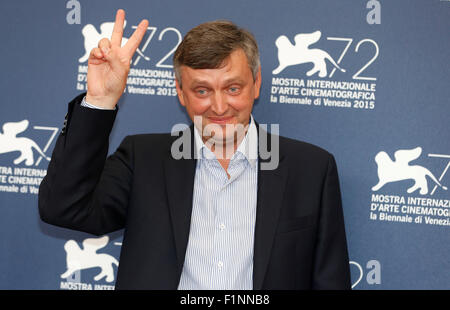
[[219, 258], [222, 234]]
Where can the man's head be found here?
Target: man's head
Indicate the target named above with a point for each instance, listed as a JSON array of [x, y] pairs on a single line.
[[218, 75], [209, 44]]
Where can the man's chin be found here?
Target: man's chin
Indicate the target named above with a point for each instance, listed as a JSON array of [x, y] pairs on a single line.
[[224, 137]]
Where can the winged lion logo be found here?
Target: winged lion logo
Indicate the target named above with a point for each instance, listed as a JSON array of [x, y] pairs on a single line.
[[9, 142], [300, 53], [400, 169], [92, 37], [87, 257]]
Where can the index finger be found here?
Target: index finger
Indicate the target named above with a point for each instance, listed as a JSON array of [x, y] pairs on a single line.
[[136, 38], [116, 37]]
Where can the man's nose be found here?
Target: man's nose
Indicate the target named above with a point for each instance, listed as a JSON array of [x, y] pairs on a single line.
[[219, 103]]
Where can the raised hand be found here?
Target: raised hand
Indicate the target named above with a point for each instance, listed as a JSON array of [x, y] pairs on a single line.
[[109, 64]]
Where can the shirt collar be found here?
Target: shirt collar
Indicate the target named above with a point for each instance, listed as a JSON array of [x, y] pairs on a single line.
[[248, 147]]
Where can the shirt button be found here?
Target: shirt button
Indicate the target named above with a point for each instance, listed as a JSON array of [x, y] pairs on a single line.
[[220, 264], [222, 226]]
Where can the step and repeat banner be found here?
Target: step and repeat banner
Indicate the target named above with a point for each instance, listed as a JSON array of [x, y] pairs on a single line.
[[366, 80]]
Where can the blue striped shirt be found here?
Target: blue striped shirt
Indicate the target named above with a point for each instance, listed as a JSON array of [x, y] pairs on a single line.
[[219, 253]]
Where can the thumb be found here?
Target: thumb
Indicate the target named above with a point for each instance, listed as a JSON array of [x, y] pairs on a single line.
[[112, 57]]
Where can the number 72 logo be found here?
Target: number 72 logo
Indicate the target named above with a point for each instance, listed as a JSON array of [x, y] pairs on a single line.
[[153, 30], [349, 41]]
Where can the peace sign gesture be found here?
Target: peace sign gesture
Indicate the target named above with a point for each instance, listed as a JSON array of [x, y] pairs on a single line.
[[109, 64]]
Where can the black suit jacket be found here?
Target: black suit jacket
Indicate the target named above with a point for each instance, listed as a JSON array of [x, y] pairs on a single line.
[[299, 241]]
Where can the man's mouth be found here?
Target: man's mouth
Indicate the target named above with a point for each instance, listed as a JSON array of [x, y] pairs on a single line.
[[220, 120]]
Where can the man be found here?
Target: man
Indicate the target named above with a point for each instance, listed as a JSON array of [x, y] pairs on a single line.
[[216, 219]]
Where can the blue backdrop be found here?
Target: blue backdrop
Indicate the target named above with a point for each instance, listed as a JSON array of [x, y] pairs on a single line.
[[366, 80]]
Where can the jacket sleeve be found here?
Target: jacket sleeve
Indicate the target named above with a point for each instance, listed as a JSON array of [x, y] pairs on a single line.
[[83, 190], [331, 263]]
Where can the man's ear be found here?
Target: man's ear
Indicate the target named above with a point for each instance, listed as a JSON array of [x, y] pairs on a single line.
[[179, 93], [258, 83]]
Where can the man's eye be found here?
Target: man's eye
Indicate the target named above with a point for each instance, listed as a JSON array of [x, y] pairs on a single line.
[[201, 91], [234, 89]]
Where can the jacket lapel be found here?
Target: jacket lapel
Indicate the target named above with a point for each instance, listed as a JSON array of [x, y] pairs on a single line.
[[271, 184], [179, 175]]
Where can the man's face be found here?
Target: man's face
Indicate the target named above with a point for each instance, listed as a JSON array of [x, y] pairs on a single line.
[[220, 96]]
